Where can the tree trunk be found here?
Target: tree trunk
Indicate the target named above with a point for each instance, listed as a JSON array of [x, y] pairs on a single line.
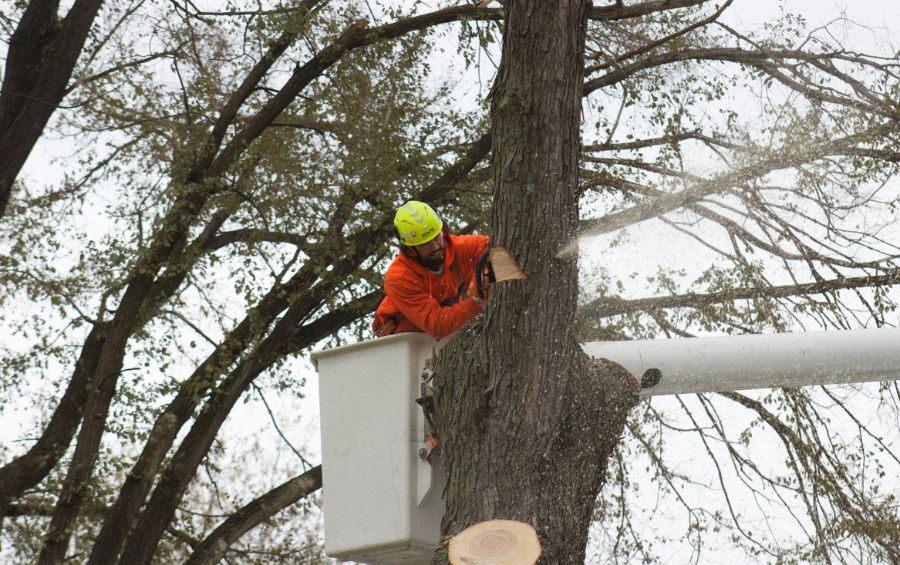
[[527, 420]]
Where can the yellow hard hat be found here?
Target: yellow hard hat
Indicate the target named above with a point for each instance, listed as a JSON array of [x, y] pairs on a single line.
[[417, 223]]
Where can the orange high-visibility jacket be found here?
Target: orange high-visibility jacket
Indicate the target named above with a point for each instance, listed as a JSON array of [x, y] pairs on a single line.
[[419, 301]]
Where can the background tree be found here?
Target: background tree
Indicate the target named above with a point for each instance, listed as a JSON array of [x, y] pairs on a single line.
[[229, 208], [791, 211]]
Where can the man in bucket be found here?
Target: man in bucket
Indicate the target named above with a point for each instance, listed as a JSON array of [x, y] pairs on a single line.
[[429, 285]]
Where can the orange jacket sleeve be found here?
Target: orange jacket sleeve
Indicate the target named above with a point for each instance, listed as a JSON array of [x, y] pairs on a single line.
[[468, 249], [420, 308]]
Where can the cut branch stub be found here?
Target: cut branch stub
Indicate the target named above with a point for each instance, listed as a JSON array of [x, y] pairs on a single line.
[[495, 542]]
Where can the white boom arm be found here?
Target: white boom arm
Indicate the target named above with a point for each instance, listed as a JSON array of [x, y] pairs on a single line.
[[709, 364]]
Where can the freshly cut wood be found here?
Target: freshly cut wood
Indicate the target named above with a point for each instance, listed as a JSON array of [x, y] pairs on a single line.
[[495, 542], [505, 267]]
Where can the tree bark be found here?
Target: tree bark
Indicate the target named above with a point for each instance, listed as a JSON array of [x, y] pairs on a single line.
[[527, 420]]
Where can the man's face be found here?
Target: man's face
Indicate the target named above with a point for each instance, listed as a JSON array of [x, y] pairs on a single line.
[[431, 254]]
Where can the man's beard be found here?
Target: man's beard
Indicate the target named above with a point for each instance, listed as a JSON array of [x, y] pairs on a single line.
[[435, 264]]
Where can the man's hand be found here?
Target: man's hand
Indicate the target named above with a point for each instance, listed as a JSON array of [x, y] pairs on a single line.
[[494, 265], [481, 302]]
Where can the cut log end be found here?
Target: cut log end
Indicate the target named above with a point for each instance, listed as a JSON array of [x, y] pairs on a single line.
[[495, 542], [505, 267]]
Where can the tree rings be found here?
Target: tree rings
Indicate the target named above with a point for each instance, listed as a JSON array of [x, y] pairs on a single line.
[[495, 542]]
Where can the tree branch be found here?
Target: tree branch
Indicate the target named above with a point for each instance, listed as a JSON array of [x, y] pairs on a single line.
[[613, 306], [619, 11], [215, 545], [16, 510], [808, 460], [310, 124], [662, 140], [662, 41], [785, 158], [120, 67], [603, 178], [249, 235], [27, 470], [765, 60], [229, 111]]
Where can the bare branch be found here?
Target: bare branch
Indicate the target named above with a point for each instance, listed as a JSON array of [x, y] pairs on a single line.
[[249, 235], [619, 11], [120, 67], [661, 41], [612, 306], [784, 158], [663, 140], [216, 544]]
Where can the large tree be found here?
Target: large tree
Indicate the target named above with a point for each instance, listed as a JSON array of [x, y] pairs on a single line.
[[226, 206], [528, 421]]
